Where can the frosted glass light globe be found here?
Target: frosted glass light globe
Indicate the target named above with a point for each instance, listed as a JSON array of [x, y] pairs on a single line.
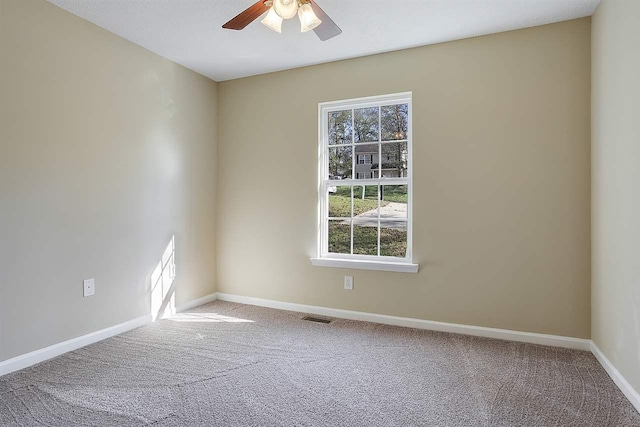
[[308, 19], [285, 8], [273, 21]]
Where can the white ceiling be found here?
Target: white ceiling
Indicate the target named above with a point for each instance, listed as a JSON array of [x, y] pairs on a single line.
[[189, 31]]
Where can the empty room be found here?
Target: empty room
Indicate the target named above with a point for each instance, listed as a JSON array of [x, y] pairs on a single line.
[[333, 213]]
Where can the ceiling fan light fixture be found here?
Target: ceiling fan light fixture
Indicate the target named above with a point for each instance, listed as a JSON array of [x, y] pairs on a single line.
[[273, 21], [273, 12], [286, 9], [308, 19]]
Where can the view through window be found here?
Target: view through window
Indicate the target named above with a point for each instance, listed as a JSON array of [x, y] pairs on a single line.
[[365, 168]]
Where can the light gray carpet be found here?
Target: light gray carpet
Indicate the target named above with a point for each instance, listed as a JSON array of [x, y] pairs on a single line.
[[209, 369]]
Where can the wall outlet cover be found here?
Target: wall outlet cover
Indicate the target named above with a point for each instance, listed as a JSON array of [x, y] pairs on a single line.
[[89, 287], [348, 283]]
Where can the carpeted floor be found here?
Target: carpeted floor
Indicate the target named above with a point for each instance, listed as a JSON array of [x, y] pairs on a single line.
[[226, 364]]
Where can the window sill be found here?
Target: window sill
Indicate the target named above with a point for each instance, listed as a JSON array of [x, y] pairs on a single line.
[[400, 267]]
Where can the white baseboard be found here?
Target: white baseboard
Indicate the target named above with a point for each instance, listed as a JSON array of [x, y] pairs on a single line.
[[37, 356], [196, 302], [616, 376], [480, 331]]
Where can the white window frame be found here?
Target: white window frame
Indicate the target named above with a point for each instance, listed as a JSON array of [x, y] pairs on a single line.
[[366, 262]]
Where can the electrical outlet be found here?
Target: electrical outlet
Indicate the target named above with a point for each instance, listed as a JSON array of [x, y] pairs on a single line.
[[89, 287], [348, 283]]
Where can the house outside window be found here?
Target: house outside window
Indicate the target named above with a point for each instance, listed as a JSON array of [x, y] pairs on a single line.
[[365, 183]]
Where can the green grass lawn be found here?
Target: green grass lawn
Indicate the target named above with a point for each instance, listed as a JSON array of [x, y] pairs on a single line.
[[395, 193], [365, 240], [340, 201]]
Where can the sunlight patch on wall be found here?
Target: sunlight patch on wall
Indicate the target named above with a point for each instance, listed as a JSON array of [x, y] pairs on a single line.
[[162, 280]]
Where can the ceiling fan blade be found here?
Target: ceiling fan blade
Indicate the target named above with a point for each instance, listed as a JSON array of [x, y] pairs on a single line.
[[248, 16], [328, 28]]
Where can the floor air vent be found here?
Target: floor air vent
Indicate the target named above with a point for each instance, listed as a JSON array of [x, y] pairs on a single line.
[[316, 319]]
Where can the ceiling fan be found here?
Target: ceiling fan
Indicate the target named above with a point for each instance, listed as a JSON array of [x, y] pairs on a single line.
[[310, 14]]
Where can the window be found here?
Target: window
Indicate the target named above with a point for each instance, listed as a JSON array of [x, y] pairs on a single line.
[[365, 183], [365, 159]]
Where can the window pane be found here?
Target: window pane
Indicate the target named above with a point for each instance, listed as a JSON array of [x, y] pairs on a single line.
[[393, 238], [365, 238], [394, 202], [366, 159], [365, 201], [395, 193], [340, 162], [395, 122], [394, 160], [339, 241], [340, 201], [366, 124], [340, 127]]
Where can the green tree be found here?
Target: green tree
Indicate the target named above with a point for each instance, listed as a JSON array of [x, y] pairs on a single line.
[[366, 124], [340, 131], [395, 123]]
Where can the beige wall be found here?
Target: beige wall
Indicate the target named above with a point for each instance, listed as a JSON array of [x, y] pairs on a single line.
[[501, 174], [107, 150], [616, 184]]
